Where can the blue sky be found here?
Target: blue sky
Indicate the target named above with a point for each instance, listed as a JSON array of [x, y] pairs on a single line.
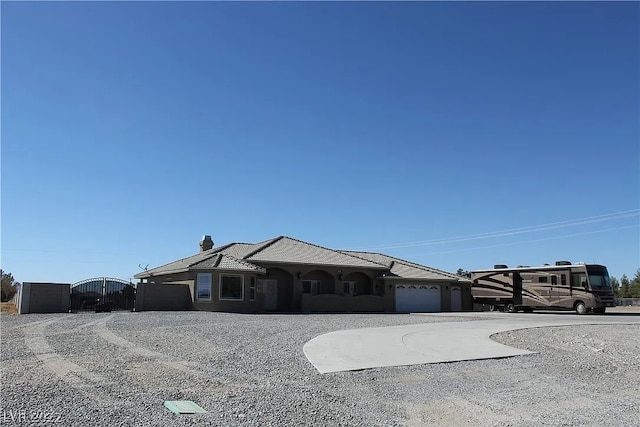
[[129, 130]]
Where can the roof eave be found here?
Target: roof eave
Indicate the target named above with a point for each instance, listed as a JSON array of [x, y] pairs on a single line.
[[237, 270], [147, 274], [376, 267], [430, 279]]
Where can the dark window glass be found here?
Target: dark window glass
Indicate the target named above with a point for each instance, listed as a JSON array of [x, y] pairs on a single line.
[[231, 287]]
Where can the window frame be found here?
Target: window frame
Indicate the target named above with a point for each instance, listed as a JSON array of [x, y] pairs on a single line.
[[221, 279], [252, 288], [312, 282], [199, 285], [352, 287]]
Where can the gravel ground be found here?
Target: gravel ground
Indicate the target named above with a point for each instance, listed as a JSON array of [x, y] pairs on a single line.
[[117, 369]]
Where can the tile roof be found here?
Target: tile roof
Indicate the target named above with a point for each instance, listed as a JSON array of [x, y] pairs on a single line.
[[238, 250], [179, 265], [404, 269], [227, 262], [287, 250], [283, 249]]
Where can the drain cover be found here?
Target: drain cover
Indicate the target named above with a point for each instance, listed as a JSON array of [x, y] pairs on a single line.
[[183, 407]]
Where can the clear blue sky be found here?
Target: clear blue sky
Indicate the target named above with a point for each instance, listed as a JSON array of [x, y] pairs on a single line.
[[129, 130]]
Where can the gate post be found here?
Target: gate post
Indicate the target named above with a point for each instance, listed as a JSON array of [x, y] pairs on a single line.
[[139, 299]]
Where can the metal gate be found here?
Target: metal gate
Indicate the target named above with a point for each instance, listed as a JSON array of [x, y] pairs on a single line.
[[102, 294]]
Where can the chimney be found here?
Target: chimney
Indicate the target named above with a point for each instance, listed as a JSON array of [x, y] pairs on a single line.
[[206, 243]]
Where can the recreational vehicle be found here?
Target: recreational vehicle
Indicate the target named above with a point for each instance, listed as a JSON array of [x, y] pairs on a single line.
[[564, 286]]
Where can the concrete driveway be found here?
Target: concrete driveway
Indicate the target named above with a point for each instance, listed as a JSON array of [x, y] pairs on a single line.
[[357, 349]]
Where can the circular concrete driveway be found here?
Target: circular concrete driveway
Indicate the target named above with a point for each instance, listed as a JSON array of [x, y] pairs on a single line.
[[357, 349]]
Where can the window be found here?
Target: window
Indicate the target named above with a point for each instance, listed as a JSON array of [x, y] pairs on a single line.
[[563, 279], [349, 288], [554, 280], [231, 287], [542, 279], [311, 287], [203, 288], [252, 289], [579, 281]]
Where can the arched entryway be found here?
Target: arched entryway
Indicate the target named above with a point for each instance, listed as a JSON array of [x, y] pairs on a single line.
[[356, 283], [318, 282], [277, 287]]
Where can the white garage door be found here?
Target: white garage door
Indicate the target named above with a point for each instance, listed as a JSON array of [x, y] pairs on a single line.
[[417, 298]]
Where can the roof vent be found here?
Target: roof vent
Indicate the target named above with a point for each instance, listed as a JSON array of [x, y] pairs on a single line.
[[206, 243], [563, 263], [500, 266]]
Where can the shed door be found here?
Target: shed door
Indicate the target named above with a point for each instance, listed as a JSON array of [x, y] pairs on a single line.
[[417, 298], [456, 299]]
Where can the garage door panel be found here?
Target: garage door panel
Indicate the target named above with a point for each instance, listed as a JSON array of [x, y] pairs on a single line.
[[418, 298]]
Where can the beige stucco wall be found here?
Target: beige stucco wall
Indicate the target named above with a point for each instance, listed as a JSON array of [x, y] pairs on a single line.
[[344, 303], [291, 298], [157, 297], [216, 304]]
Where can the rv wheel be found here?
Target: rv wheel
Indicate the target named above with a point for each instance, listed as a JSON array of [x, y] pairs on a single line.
[[581, 308], [510, 308]]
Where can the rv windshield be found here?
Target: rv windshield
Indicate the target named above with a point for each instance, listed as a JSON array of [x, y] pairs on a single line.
[[599, 280], [598, 276]]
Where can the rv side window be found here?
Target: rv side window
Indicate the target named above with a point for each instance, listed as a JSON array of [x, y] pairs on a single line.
[[563, 279], [579, 281], [554, 280], [542, 279]]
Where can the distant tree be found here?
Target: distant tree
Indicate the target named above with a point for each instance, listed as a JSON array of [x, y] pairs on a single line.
[[8, 286], [625, 285], [634, 286], [463, 273], [615, 286]]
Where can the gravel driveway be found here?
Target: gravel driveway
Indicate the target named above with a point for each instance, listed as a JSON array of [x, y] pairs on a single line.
[[118, 369]]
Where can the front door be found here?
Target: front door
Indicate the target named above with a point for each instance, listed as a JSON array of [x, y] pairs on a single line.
[[270, 294]]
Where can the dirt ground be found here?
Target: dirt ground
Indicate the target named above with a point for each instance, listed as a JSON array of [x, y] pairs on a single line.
[[9, 308]]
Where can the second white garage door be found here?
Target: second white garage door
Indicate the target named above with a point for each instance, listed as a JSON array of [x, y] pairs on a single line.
[[417, 298]]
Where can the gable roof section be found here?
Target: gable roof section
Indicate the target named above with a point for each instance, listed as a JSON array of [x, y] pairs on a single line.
[[234, 250], [292, 251], [238, 250], [179, 265], [403, 269], [227, 262]]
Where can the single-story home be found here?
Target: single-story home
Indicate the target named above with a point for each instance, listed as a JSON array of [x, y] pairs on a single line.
[[288, 275]]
